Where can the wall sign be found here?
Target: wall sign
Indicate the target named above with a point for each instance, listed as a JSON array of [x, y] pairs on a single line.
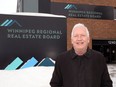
[[82, 11], [32, 38]]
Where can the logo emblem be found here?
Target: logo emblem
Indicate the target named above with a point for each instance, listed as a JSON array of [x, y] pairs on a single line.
[[70, 6], [10, 22]]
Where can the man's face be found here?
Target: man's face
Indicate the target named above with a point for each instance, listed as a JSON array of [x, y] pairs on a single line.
[[80, 39]]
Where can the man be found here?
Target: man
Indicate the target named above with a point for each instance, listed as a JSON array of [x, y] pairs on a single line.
[[80, 66]]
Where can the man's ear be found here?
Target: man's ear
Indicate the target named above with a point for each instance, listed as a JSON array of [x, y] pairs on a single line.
[[71, 41], [88, 39]]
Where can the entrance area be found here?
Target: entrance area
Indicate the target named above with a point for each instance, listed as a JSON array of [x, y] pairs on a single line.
[[107, 47]]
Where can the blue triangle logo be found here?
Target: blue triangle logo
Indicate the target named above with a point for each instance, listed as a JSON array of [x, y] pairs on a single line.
[[46, 62]]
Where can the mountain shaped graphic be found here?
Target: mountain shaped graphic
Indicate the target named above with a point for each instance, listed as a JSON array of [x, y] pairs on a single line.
[[46, 62], [10, 22]]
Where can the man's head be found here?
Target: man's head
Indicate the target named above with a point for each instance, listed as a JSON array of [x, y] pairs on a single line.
[[80, 37]]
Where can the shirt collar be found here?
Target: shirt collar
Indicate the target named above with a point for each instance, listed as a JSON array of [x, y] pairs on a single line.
[[74, 55]]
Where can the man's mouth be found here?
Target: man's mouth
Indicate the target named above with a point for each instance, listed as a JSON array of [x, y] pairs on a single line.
[[80, 43]]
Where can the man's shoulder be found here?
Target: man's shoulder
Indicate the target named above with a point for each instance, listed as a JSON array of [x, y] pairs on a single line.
[[94, 52], [64, 55], [97, 55]]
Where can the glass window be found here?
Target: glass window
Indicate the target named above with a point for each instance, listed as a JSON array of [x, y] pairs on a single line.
[[114, 13]]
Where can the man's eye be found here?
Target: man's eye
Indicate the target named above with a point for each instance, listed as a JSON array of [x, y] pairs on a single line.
[[75, 36], [83, 35]]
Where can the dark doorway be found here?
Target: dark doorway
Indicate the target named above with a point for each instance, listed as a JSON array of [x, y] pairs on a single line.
[[107, 47]]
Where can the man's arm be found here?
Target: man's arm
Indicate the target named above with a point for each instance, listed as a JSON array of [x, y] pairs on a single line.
[[106, 80], [56, 80]]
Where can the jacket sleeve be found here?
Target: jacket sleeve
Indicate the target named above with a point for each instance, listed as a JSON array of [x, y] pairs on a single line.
[[56, 80], [106, 80]]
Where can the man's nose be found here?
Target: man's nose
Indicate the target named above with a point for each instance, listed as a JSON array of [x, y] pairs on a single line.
[[79, 37]]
